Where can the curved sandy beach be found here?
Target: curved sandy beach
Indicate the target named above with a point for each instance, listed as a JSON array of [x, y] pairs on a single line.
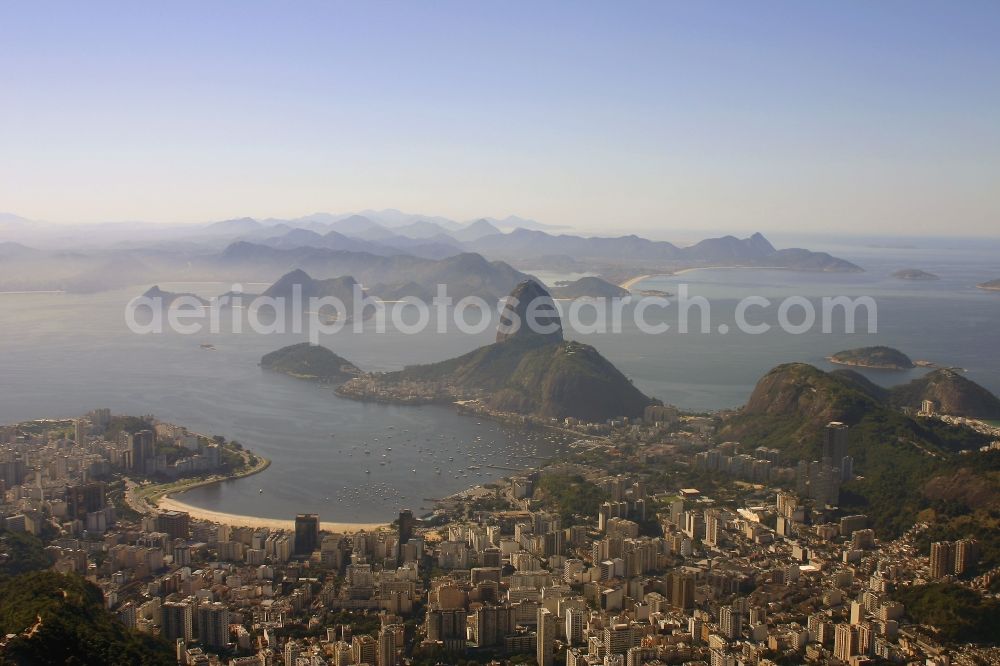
[[631, 282], [170, 504]]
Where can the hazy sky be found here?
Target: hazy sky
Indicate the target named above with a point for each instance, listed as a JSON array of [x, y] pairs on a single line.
[[609, 116]]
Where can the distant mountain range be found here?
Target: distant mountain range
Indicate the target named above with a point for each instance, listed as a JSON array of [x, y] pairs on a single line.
[[465, 274], [386, 248], [529, 246]]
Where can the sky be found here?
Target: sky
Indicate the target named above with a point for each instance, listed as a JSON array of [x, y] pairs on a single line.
[[604, 116]]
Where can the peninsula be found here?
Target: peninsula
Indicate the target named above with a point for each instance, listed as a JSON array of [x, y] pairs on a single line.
[[992, 285], [525, 372]]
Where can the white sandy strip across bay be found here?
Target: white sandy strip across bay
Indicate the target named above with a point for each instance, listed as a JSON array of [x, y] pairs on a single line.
[[632, 282], [170, 504]]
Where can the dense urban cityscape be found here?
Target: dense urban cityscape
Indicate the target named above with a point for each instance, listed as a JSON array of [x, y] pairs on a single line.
[[609, 557], [499, 333]]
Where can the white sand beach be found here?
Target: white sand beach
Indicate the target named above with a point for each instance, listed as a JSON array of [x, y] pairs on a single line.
[[170, 504]]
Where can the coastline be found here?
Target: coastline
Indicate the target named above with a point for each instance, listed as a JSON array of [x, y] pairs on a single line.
[[167, 503], [631, 282], [159, 497], [870, 366]]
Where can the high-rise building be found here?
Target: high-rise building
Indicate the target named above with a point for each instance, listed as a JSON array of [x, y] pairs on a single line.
[[175, 524], [966, 555], [292, 651], [857, 612], [681, 591], [342, 654], [730, 622], [143, 450], [711, 528], [177, 621], [12, 472], [388, 638], [79, 431], [406, 525], [618, 638], [492, 623], [835, 443], [447, 626], [846, 642], [213, 624], [364, 649], [546, 636], [694, 524], [83, 499], [942, 559], [306, 533], [576, 619]]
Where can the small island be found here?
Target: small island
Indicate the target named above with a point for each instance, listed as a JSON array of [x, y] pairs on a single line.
[[878, 357], [166, 298], [588, 287], [992, 285], [312, 362], [914, 274]]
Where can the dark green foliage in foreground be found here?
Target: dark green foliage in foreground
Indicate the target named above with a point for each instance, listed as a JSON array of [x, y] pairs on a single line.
[[61, 619], [957, 613], [570, 495], [20, 553]]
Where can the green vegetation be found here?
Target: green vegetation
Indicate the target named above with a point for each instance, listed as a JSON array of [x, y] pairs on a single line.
[[534, 375], [885, 358], [951, 393], [307, 361], [570, 495], [897, 456], [127, 424], [20, 553], [956, 613], [530, 371], [61, 619], [42, 426]]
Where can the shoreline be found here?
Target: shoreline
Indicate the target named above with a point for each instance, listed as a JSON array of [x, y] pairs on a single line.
[[631, 282], [160, 497], [869, 366], [167, 503]]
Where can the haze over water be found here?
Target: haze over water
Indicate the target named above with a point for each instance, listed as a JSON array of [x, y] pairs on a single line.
[[68, 354]]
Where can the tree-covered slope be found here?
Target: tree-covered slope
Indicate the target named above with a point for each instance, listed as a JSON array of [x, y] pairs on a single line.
[[60, 619], [308, 361]]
